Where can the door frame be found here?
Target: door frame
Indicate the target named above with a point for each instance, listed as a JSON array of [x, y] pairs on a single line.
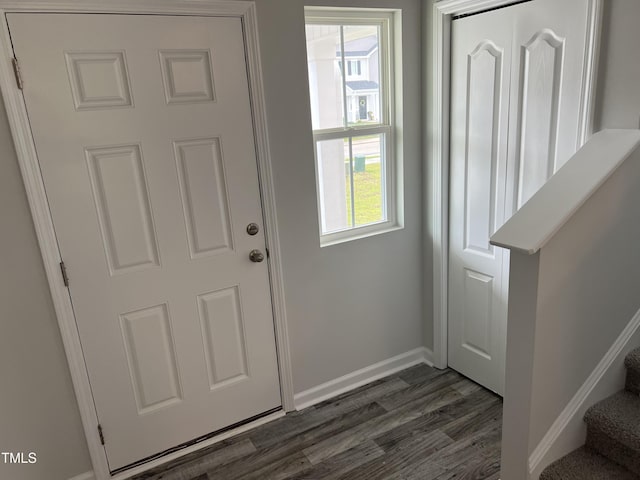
[[436, 178], [34, 185]]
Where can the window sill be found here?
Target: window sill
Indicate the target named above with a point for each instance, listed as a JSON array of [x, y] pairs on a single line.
[[358, 233]]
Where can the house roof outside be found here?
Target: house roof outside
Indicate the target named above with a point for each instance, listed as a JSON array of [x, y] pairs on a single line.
[[360, 47], [362, 85]]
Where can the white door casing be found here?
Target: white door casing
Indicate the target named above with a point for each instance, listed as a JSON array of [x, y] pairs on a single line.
[[515, 119], [177, 187]]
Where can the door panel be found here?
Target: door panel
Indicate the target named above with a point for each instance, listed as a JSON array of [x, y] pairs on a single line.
[[144, 133], [481, 61], [223, 331], [548, 63], [478, 298], [516, 85], [484, 72], [121, 195], [540, 82], [203, 188], [149, 343]]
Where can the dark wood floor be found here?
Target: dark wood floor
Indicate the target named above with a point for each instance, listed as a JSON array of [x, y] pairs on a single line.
[[420, 423]]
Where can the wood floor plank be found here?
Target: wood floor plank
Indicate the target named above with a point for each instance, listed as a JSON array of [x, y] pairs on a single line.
[[282, 458], [447, 416], [329, 427], [364, 395], [195, 464], [379, 425], [420, 374], [490, 443], [344, 463], [419, 424], [477, 418], [466, 387], [462, 450], [409, 451], [281, 469], [422, 425], [417, 391], [420, 469], [477, 468], [307, 419], [276, 450]]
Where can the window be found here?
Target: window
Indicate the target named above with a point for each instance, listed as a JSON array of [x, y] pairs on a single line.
[[353, 121], [354, 67]]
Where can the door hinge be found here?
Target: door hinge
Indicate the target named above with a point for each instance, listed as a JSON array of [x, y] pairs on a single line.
[[65, 277], [267, 251], [18, 73], [101, 434]]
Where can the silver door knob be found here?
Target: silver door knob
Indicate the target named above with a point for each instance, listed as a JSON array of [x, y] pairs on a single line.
[[256, 256]]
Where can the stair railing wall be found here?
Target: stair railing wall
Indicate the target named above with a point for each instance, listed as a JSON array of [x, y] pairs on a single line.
[[574, 286]]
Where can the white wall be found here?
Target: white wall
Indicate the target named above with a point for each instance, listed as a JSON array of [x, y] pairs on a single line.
[[353, 304], [348, 305], [618, 84], [38, 411]]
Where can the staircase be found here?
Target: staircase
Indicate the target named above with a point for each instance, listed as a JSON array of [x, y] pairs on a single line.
[[612, 450]]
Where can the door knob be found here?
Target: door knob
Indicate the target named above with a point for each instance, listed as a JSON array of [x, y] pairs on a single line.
[[256, 256]]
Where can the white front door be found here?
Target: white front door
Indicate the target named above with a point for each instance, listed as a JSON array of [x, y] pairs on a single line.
[[516, 87], [143, 128]]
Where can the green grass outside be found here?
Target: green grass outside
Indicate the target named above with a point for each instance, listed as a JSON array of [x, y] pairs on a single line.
[[368, 194]]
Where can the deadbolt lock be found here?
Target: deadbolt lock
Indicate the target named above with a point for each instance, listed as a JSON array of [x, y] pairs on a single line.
[[253, 228]]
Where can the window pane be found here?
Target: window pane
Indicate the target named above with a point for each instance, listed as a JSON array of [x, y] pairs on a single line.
[[334, 184], [363, 79], [368, 179], [324, 57]]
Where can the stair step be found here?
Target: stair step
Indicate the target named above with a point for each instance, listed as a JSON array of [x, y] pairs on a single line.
[[584, 464], [632, 362], [613, 429]]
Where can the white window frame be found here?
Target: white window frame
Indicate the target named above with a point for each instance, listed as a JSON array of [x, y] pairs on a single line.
[[389, 22]]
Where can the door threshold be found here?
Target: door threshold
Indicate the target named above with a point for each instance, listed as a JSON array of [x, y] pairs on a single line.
[[196, 444]]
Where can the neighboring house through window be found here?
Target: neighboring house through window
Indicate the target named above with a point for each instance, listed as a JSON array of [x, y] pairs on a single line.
[[353, 120]]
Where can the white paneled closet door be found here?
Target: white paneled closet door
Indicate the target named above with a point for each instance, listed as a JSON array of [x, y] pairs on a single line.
[[516, 91]]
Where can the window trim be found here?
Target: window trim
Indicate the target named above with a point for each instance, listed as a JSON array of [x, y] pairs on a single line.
[[389, 50]]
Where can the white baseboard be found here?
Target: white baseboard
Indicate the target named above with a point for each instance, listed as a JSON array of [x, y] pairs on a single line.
[[361, 377], [84, 476], [568, 431]]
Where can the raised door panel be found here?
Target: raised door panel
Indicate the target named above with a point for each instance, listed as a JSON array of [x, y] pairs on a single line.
[[148, 340], [484, 87], [548, 81], [478, 313], [187, 76], [224, 336], [204, 191], [123, 207], [99, 79], [540, 84]]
